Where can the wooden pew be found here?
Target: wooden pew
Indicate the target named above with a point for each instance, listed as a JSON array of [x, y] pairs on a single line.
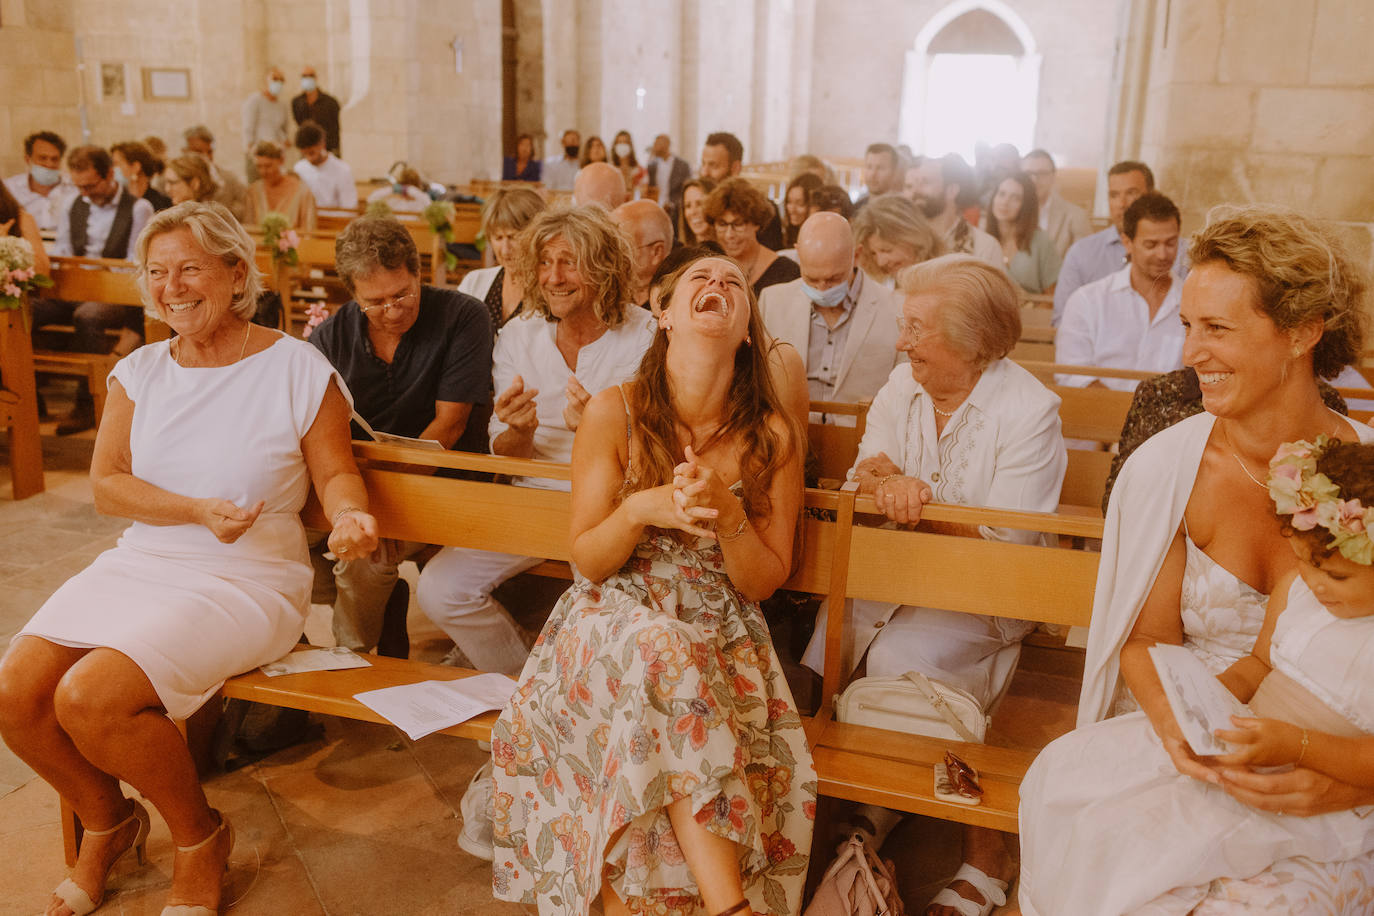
[[1047, 584], [838, 560], [836, 447], [19, 405], [88, 280]]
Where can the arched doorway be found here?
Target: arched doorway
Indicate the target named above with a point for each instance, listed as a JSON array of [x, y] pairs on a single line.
[[973, 75]]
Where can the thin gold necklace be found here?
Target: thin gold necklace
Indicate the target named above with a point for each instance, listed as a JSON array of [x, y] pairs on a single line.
[[247, 329], [1226, 431]]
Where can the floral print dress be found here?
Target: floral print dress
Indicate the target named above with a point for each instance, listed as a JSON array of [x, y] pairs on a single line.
[[657, 684]]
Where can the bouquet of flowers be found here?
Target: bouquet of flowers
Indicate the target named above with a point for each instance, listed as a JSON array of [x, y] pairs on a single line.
[[281, 239], [439, 215], [17, 275]]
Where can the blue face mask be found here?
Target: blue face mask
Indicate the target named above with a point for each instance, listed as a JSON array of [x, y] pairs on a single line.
[[120, 177], [308, 83], [43, 175], [275, 87], [827, 298]]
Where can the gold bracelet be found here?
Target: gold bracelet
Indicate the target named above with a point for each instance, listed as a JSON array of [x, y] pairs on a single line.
[[720, 535], [883, 480], [334, 522], [1303, 752]]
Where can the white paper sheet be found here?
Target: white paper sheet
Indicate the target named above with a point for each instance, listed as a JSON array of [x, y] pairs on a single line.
[[424, 708], [393, 439], [337, 658], [1200, 702]]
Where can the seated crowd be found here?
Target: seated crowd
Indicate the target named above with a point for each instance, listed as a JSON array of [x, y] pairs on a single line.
[[672, 337]]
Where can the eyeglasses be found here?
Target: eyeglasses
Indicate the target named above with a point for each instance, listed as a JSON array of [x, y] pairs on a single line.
[[381, 308], [909, 328], [736, 226]]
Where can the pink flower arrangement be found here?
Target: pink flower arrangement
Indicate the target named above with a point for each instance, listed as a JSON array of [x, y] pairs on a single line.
[[17, 273], [1309, 496], [316, 314]]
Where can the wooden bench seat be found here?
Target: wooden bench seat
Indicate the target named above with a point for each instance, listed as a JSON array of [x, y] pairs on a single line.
[[331, 692], [838, 559]]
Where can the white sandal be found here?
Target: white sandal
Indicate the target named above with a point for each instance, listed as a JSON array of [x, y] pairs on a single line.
[[994, 891]]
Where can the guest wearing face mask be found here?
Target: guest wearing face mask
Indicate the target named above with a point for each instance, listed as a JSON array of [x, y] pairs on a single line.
[[314, 104], [264, 118], [41, 188], [135, 165], [560, 171], [838, 318], [623, 158]]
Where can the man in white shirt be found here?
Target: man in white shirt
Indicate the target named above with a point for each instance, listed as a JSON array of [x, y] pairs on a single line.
[[265, 117], [329, 177], [103, 222], [1066, 223], [576, 335], [841, 321], [560, 172], [943, 188], [1129, 318], [41, 188]]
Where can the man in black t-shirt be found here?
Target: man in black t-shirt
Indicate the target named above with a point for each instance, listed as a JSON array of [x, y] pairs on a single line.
[[417, 361]]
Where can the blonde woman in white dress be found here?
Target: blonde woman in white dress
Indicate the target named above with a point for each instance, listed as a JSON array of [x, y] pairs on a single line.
[[209, 443]]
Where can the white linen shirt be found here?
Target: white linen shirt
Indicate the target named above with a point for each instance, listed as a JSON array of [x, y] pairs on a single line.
[[1107, 323], [1002, 449], [46, 209], [526, 347], [331, 182]]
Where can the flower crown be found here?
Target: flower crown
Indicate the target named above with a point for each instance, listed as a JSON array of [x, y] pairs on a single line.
[[1299, 490]]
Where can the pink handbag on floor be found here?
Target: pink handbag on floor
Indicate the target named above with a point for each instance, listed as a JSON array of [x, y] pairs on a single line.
[[857, 883]]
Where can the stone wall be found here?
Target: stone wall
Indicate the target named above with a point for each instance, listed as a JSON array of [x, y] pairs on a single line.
[[1266, 101], [390, 63], [38, 76]]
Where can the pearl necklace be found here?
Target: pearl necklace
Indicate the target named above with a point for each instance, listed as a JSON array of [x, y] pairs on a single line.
[[944, 413]]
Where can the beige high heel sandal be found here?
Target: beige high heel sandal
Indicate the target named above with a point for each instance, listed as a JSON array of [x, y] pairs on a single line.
[[72, 894], [185, 909]]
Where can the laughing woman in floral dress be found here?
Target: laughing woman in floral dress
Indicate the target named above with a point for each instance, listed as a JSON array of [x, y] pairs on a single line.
[[652, 753]]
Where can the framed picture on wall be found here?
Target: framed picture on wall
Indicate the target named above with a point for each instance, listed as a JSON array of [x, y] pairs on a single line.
[[162, 84], [112, 82]]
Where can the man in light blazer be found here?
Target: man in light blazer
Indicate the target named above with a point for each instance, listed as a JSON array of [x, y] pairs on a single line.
[[842, 322], [1066, 223]]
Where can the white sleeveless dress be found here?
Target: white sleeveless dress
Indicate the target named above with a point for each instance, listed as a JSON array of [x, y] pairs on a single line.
[[1109, 826], [187, 609]]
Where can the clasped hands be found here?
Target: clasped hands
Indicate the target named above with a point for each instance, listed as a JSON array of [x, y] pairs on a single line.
[[898, 497], [697, 501]]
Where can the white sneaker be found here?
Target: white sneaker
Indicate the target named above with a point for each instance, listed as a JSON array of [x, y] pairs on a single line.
[[476, 836]]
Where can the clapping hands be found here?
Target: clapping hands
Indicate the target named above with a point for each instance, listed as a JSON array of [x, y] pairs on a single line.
[[693, 502], [227, 521], [515, 407]]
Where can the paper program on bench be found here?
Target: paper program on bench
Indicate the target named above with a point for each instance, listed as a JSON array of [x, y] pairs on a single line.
[[337, 658], [393, 439], [1200, 702], [429, 706]]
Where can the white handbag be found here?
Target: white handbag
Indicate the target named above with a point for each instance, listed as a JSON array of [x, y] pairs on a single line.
[[915, 705]]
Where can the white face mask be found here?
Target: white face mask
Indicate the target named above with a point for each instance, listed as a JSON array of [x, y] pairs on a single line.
[[622, 150]]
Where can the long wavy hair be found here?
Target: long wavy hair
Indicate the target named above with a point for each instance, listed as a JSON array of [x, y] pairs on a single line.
[[750, 408], [601, 251]]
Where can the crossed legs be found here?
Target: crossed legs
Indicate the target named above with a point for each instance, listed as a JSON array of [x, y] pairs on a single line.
[[84, 719]]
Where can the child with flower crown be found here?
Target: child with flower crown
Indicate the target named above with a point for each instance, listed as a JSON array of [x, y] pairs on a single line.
[[1155, 841]]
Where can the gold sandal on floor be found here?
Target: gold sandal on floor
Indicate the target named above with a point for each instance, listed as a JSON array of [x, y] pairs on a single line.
[[186, 909], [72, 894]]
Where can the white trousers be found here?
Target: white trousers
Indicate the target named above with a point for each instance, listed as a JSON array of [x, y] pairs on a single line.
[[455, 592]]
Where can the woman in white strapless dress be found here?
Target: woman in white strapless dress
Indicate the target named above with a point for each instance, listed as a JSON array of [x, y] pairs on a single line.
[[209, 443], [1271, 302]]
